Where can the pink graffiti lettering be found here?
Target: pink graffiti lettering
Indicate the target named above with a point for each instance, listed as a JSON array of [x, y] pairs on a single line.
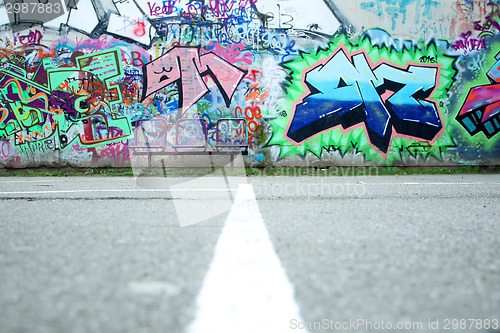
[[117, 151], [233, 53], [5, 150], [187, 68], [91, 44]]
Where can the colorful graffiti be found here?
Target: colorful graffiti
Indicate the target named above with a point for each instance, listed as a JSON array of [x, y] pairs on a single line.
[[56, 103], [185, 66], [373, 81], [346, 86], [231, 133], [386, 99], [481, 109]]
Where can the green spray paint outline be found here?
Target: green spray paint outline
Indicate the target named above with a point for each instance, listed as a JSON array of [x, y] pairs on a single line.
[[356, 140]]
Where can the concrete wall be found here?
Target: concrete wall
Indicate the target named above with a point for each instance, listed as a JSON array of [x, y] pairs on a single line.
[[320, 82]]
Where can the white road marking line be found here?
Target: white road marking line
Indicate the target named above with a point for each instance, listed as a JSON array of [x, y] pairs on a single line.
[[211, 189], [63, 179], [246, 289], [25, 181], [120, 190], [153, 288]]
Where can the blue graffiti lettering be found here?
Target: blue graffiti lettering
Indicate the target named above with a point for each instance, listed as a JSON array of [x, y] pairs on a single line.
[[349, 93]]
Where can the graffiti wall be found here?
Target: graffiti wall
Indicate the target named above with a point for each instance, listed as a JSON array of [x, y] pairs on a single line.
[[319, 82]]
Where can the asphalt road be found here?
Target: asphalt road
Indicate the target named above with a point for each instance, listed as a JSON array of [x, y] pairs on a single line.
[[282, 254]]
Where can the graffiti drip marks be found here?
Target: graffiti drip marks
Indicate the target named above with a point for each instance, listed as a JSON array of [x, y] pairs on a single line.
[[185, 67], [385, 99], [481, 109]]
